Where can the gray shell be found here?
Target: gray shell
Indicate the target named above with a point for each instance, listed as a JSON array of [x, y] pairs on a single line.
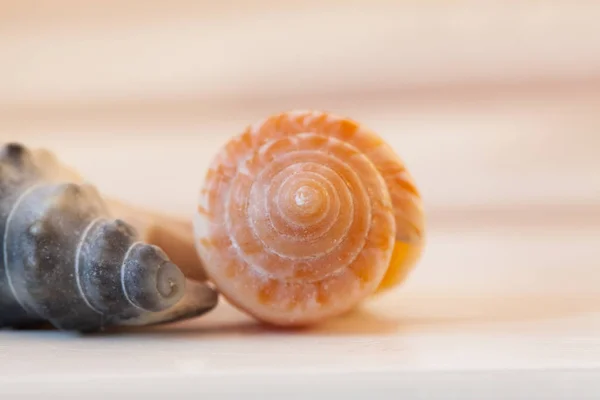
[[64, 261]]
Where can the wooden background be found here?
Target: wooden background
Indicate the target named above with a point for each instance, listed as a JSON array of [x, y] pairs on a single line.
[[493, 105]]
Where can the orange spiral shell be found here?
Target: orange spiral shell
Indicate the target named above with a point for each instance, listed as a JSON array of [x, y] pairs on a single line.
[[304, 215]]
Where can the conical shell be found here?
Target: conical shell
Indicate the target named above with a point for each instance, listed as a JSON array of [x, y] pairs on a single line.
[[304, 215], [66, 261]]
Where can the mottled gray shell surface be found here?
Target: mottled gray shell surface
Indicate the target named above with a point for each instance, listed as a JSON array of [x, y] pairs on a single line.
[[66, 262]]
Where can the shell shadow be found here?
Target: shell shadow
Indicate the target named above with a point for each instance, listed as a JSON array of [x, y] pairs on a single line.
[[407, 315], [425, 315], [227, 321]]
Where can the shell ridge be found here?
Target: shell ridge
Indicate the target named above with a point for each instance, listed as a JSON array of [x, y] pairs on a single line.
[[86, 231], [257, 126], [122, 274], [7, 269]]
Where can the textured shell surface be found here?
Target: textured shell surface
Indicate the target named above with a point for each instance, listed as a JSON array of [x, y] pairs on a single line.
[[66, 262], [304, 215]]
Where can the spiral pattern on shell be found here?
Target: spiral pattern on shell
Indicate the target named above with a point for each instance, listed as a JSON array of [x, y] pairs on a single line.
[[299, 216], [65, 261]]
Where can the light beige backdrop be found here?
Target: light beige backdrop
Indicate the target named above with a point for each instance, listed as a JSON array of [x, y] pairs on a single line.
[[493, 105]]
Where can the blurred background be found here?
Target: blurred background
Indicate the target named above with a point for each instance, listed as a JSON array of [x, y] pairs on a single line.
[[494, 106]]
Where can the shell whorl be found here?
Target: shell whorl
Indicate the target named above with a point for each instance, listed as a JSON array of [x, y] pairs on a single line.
[[68, 263], [65, 261], [117, 272], [299, 216]]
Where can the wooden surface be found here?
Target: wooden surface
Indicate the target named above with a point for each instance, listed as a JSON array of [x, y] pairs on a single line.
[[503, 142], [410, 347]]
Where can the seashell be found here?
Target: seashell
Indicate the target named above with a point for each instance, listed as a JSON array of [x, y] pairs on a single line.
[[306, 214], [67, 262]]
